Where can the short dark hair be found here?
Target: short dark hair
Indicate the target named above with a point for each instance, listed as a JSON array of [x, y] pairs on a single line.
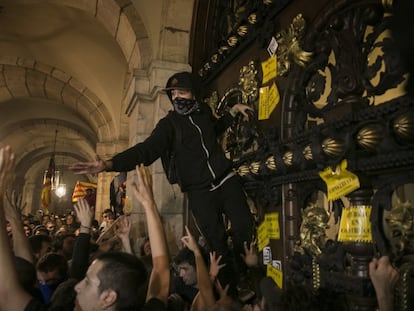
[[187, 255], [36, 241], [53, 262], [126, 275]]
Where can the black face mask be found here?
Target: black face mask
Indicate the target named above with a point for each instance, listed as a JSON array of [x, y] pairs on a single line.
[[185, 106]]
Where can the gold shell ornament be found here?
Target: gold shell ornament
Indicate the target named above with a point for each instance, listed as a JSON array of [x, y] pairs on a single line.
[[404, 127], [370, 136], [331, 147], [271, 163]]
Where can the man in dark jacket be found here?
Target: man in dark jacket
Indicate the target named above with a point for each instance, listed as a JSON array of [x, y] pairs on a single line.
[[202, 169]]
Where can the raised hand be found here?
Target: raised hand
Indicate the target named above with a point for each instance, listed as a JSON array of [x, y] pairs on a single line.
[[250, 256], [143, 187], [190, 242], [123, 227], [15, 200], [215, 265], [84, 213]]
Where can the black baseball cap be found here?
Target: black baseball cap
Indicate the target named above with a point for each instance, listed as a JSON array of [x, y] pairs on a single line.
[[183, 81]]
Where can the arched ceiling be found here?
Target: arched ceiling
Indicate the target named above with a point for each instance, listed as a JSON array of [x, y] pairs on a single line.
[[64, 66]]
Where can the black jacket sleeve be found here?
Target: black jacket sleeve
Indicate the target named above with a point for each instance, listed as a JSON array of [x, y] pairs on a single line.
[[147, 151], [80, 256]]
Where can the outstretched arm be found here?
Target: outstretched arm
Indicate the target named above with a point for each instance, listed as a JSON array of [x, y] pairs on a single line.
[[94, 167], [12, 295], [159, 283]]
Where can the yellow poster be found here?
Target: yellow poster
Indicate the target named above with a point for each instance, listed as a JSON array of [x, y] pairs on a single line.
[[272, 222], [269, 98], [339, 182], [263, 103], [275, 274], [355, 225], [269, 68], [262, 236]]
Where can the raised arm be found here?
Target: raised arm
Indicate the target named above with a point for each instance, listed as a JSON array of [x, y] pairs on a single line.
[[12, 295], [159, 282], [13, 208], [80, 255], [205, 287]]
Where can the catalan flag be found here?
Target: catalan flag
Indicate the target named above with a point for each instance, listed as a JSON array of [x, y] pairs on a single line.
[[81, 188]]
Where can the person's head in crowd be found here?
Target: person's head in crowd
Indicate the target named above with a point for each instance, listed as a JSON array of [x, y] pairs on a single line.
[[40, 230], [186, 266], [108, 216], [59, 222], [9, 228], [40, 245], [69, 220], [64, 297], [145, 248], [114, 281], [50, 226], [27, 230], [51, 270], [45, 219], [63, 244]]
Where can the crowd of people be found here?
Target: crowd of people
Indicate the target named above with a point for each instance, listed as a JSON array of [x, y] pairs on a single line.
[[81, 264], [37, 275]]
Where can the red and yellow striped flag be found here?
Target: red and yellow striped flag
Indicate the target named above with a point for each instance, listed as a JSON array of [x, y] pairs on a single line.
[[46, 196], [80, 189]]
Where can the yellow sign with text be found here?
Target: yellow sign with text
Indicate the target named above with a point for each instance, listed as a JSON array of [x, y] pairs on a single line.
[[262, 236], [272, 222], [275, 274], [339, 182], [269, 98], [355, 225], [269, 69]]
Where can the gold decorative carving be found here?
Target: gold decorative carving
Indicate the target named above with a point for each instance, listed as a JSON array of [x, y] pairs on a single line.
[[254, 167], [248, 82], [307, 153], [400, 227], [404, 127], [313, 230], [370, 136], [252, 19], [289, 49], [332, 147], [243, 170], [271, 163], [288, 158]]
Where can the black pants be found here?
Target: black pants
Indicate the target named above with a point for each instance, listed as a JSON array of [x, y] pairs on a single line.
[[207, 208]]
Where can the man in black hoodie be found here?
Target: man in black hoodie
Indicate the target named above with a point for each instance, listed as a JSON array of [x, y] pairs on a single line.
[[190, 132]]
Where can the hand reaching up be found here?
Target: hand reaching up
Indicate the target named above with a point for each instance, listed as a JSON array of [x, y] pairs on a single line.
[[215, 265], [84, 213], [250, 256], [143, 186], [190, 242]]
